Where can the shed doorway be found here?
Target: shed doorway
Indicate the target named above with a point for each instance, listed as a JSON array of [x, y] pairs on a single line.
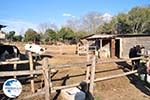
[[117, 48]]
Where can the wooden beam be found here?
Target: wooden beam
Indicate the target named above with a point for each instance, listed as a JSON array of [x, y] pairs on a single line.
[[96, 80], [119, 60], [31, 69], [19, 73], [88, 68], [89, 62], [92, 76], [112, 48], [13, 62], [115, 76], [64, 87], [46, 79]]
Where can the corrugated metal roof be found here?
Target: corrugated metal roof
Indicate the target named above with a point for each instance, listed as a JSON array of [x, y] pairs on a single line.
[[101, 36], [132, 35], [104, 36]]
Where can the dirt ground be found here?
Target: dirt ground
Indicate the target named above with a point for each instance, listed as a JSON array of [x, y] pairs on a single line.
[[123, 88]]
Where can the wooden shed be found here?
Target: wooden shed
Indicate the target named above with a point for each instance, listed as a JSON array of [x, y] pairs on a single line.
[[125, 42], [117, 45], [104, 44]]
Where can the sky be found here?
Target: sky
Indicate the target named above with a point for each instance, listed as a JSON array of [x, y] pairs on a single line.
[[19, 15]]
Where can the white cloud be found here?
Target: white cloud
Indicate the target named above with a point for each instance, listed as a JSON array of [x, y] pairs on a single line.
[[17, 25], [68, 15]]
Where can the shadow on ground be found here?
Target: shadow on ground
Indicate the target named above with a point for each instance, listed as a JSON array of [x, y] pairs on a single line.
[[135, 80]]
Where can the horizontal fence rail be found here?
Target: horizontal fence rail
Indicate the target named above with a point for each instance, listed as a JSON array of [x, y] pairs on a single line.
[[54, 89], [20, 73], [13, 62], [90, 64], [119, 60]]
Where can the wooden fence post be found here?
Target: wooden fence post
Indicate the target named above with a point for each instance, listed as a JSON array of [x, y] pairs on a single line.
[[31, 69], [46, 79], [88, 68], [92, 76]]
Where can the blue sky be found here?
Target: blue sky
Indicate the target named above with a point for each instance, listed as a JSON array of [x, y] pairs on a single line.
[[18, 15]]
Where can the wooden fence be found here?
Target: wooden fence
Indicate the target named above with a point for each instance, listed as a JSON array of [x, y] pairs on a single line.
[[90, 72], [90, 65], [31, 72]]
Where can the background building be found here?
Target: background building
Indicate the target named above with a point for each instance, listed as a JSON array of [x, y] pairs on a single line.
[[117, 45]]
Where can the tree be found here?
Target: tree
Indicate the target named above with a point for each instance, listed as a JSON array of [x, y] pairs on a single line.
[[73, 24], [135, 21], [10, 35], [80, 34], [77, 27], [139, 19], [66, 33], [91, 21], [146, 27], [50, 35], [18, 38], [107, 27], [31, 35], [44, 26], [122, 25]]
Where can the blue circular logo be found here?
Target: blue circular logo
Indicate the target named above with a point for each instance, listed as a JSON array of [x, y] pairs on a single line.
[[12, 88]]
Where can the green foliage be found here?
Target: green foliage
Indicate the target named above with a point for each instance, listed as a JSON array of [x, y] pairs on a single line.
[[37, 37], [81, 34], [122, 26], [10, 35], [137, 20], [17, 38], [146, 27], [31, 35], [105, 28], [67, 34], [118, 24], [50, 35]]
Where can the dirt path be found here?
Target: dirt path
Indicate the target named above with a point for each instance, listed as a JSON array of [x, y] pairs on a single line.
[[123, 88]]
